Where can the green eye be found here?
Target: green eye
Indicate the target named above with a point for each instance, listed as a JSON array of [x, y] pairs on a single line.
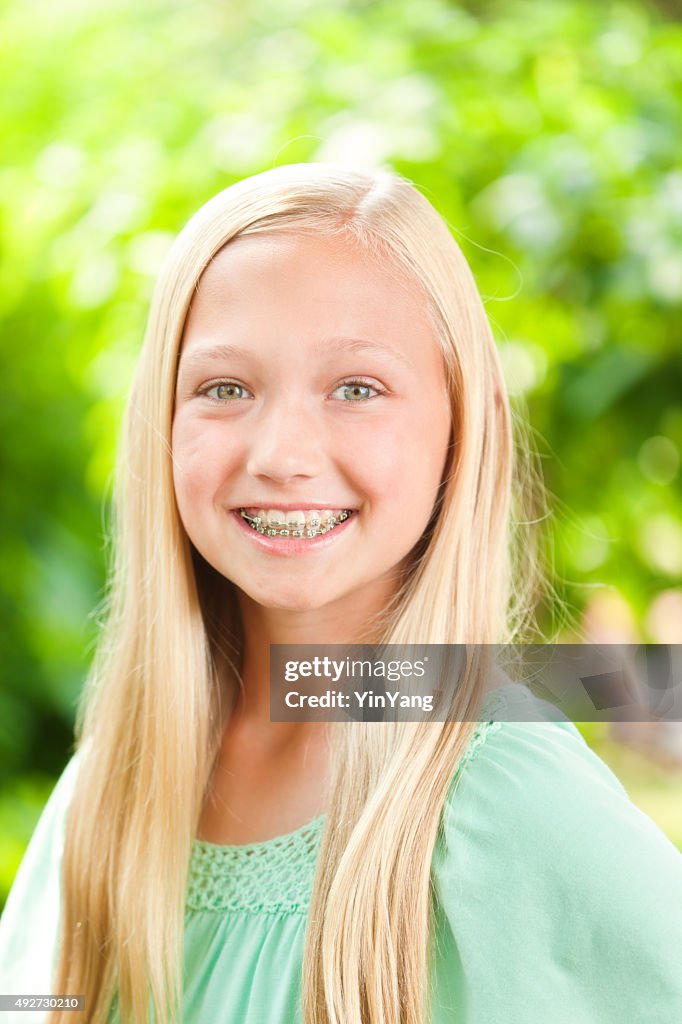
[[227, 391], [353, 392], [356, 391]]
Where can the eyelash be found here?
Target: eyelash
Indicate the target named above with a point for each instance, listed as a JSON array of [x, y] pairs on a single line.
[[350, 381], [204, 391], [347, 382]]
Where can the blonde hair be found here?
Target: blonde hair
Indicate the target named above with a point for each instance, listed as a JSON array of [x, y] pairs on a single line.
[[154, 706]]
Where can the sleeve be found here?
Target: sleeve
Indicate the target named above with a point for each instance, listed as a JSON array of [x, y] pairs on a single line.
[[559, 899], [29, 927]]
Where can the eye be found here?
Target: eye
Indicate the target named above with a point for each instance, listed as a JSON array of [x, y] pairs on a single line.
[[225, 391], [357, 390]]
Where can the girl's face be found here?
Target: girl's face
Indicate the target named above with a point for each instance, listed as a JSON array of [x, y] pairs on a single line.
[[310, 384]]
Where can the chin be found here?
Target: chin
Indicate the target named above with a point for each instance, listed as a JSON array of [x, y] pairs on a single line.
[[296, 601]]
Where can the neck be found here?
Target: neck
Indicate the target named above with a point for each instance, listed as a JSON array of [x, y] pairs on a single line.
[[353, 620]]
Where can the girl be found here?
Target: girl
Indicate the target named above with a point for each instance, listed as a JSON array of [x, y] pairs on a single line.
[[318, 449]]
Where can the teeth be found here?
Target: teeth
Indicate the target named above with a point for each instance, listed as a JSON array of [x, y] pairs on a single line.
[[297, 523]]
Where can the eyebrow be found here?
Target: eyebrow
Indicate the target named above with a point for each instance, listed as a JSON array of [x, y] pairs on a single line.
[[199, 355], [338, 344]]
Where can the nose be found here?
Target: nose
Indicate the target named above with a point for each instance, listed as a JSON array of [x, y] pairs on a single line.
[[285, 442]]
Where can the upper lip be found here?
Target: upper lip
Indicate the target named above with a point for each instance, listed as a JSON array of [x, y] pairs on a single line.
[[288, 506]]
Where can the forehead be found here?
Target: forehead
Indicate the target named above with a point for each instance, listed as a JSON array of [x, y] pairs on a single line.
[[306, 284]]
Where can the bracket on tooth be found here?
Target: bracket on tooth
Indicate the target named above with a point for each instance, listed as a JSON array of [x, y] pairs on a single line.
[[277, 529]]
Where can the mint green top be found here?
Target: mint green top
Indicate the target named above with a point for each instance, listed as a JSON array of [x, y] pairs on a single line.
[[557, 901]]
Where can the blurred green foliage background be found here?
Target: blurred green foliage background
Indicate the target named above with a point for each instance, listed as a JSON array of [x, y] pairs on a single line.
[[546, 133]]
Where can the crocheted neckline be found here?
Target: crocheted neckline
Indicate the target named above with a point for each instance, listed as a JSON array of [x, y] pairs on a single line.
[[248, 848], [273, 876]]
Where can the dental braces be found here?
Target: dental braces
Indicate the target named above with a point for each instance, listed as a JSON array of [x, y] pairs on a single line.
[[279, 529]]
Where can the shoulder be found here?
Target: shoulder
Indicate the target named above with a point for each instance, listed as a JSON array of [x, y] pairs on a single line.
[[538, 789], [30, 920], [545, 865], [47, 838]]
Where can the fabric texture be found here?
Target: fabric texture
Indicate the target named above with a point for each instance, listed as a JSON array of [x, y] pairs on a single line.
[[555, 898]]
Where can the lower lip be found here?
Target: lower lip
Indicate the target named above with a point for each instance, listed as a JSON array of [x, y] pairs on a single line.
[[291, 545]]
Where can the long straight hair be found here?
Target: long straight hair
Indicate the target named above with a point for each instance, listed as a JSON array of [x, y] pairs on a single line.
[[166, 667]]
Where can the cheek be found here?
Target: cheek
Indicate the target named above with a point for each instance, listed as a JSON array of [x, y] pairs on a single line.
[[402, 459], [199, 460]]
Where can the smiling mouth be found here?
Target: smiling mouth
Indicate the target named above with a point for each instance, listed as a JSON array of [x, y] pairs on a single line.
[[275, 523]]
